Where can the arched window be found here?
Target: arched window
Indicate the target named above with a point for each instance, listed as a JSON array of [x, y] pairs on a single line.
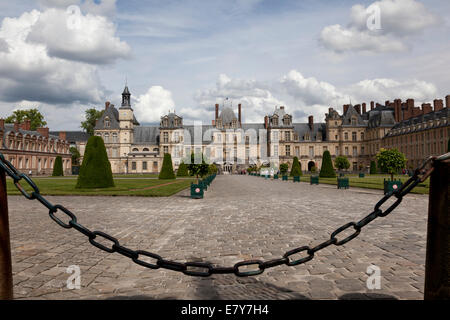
[[106, 137], [135, 150], [114, 138], [145, 150]]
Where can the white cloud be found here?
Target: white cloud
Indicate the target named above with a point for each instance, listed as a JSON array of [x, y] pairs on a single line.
[[37, 71], [399, 19], [388, 89], [93, 42], [152, 105], [103, 7]]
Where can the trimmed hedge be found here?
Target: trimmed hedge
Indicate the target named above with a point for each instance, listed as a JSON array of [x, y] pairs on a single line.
[[182, 170], [296, 170], [373, 167], [327, 170], [58, 167], [167, 168], [95, 171]]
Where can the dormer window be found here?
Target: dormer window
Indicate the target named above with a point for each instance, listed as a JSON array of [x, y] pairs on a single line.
[[353, 121], [107, 122]]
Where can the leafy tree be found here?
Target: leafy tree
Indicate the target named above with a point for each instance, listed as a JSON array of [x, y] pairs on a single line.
[[95, 171], [391, 161], [182, 170], [92, 115], [341, 163], [327, 170], [167, 168], [373, 167], [58, 167], [212, 169], [75, 156], [198, 169], [284, 168], [296, 169], [36, 118]]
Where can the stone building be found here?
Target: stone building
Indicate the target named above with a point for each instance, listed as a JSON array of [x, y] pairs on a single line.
[[234, 145], [33, 151]]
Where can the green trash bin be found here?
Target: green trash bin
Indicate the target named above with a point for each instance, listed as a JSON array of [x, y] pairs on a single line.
[[343, 183], [362, 175], [296, 179], [314, 180], [285, 178], [196, 191], [275, 177], [391, 185]]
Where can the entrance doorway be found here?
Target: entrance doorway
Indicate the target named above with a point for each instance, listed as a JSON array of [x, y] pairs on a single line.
[[310, 165]]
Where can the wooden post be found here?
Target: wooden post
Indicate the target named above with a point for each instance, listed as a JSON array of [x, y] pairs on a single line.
[[6, 282], [437, 265]]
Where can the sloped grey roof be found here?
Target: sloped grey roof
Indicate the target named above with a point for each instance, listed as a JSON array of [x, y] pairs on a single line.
[[171, 119], [444, 113], [381, 116], [73, 136], [147, 134], [319, 129], [347, 117], [227, 115], [113, 114]]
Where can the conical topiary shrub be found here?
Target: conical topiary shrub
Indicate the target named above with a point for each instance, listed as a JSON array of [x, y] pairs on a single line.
[[58, 167], [373, 167], [296, 169], [167, 168], [95, 171], [182, 170], [327, 170]]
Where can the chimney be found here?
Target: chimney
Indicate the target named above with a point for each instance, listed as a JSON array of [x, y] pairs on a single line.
[[410, 104], [214, 122], [397, 109], [16, 126], [387, 103], [358, 108], [217, 111], [364, 109], [107, 104], [240, 113], [346, 106], [311, 122], [28, 125], [43, 132], [447, 101], [282, 108], [372, 105], [426, 108], [63, 135], [2, 124], [438, 105], [266, 122]]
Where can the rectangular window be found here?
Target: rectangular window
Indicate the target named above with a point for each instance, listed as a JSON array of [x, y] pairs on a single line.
[[311, 152], [275, 136], [287, 136], [133, 165], [288, 151], [275, 151], [355, 151], [144, 165], [353, 136], [346, 151], [297, 151], [337, 151], [166, 149], [247, 153], [346, 135], [166, 137]]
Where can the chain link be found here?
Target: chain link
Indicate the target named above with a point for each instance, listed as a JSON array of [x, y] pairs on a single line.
[[204, 269]]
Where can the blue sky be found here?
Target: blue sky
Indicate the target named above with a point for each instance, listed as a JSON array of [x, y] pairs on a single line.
[[188, 55]]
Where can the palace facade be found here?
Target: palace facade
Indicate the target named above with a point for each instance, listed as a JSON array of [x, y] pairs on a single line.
[[34, 151], [232, 145]]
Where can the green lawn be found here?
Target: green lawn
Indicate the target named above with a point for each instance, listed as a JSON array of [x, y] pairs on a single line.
[[124, 187], [135, 175], [370, 181]]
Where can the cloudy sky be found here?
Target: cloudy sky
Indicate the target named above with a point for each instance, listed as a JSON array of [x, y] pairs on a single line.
[[64, 56]]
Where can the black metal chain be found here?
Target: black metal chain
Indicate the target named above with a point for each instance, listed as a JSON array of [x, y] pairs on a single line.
[[203, 269]]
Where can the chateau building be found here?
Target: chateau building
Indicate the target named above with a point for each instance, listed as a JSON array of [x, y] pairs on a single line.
[[33, 151], [233, 145]]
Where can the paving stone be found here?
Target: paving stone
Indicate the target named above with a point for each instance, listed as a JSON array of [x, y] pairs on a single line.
[[240, 218]]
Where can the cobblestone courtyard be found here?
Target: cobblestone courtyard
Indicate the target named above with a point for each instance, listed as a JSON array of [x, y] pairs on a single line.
[[240, 218]]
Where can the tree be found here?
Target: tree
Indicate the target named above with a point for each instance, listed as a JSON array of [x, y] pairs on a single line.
[[167, 168], [373, 167], [391, 161], [95, 171], [341, 163], [92, 115], [296, 169], [198, 169], [284, 168], [36, 118], [182, 170], [327, 170], [75, 156], [212, 169], [58, 167]]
